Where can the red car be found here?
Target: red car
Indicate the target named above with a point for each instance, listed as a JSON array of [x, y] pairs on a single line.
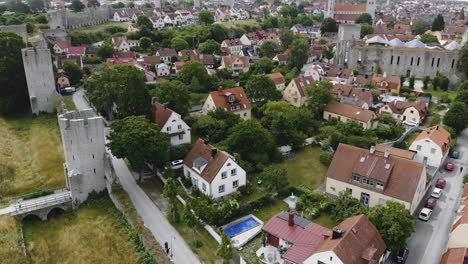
[[449, 166], [440, 183], [431, 203]]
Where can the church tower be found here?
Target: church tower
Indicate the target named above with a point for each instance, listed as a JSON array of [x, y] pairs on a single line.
[[370, 8], [331, 9]]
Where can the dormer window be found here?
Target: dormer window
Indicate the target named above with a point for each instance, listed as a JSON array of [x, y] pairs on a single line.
[[232, 98], [379, 185]]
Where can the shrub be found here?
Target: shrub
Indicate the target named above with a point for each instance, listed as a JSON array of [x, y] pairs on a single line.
[[36, 194], [435, 120], [465, 179], [326, 157]]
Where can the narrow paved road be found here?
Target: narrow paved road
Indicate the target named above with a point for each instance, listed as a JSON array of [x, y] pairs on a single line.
[[153, 218], [429, 242]]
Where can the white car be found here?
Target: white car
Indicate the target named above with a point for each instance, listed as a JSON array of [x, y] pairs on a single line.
[[177, 164], [425, 214], [436, 193], [411, 123]]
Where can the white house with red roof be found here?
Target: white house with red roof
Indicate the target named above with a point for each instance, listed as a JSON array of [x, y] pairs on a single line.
[[121, 43], [121, 16], [61, 47], [79, 51], [234, 45], [232, 100], [214, 172], [432, 146], [171, 123]]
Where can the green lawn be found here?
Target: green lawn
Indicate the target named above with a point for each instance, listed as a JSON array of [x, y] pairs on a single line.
[[11, 250], [68, 99], [268, 212], [101, 27], [324, 220], [305, 168], [250, 22], [439, 93]]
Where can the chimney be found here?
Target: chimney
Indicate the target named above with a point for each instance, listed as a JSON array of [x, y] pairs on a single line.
[[154, 100], [206, 141], [220, 89], [213, 153], [165, 105], [372, 149], [386, 153], [337, 233], [291, 219]]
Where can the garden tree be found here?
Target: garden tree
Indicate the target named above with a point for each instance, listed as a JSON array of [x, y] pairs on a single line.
[[274, 178], [205, 17], [328, 25], [394, 222], [144, 21], [145, 42], [298, 51], [285, 133], [170, 192], [462, 63], [265, 12], [219, 32], [30, 27], [179, 44], [208, 127], [73, 71], [288, 11], [195, 85], [261, 88], [305, 20], [438, 24], [192, 221], [262, 66], [175, 94], [412, 79], [106, 50], [18, 6], [139, 141], [463, 86], [122, 86], [14, 96], [444, 82], [428, 38], [457, 116], [41, 19], [462, 14], [196, 69], [346, 206], [426, 81], [268, 49], [436, 82], [364, 18], [322, 41], [366, 29], [225, 250], [462, 96], [402, 79], [77, 6], [286, 37], [328, 52], [94, 3], [319, 96], [253, 142], [210, 47], [118, 5], [114, 29], [36, 4], [420, 26]]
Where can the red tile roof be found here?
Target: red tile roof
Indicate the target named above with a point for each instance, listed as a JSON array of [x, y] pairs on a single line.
[[350, 111], [162, 114], [350, 7], [399, 107], [347, 17], [439, 135], [76, 50], [63, 44], [221, 99], [277, 77], [303, 83]]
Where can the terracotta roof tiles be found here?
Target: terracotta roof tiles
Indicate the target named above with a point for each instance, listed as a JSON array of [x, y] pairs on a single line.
[[162, 114], [438, 135], [350, 111], [221, 99]]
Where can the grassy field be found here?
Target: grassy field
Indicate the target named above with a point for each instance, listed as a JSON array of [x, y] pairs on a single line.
[[31, 155], [250, 22], [101, 27], [439, 93], [11, 250], [92, 234], [305, 168]]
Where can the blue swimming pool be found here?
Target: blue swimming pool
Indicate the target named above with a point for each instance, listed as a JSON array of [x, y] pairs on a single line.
[[241, 227]]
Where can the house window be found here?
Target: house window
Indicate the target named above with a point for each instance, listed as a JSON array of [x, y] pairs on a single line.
[[356, 178], [379, 185], [419, 58], [235, 184], [188, 174], [365, 198], [368, 182], [221, 188], [398, 60], [418, 147], [204, 187], [224, 175], [179, 127], [391, 60], [181, 136], [453, 63], [168, 128], [381, 201], [411, 61], [233, 172], [433, 150], [412, 111], [432, 63]]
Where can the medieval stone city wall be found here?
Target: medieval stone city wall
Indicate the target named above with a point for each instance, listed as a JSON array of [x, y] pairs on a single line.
[[89, 17], [18, 29]]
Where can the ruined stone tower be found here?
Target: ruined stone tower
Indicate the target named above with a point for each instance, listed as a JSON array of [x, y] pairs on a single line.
[[84, 146], [40, 78], [330, 9]]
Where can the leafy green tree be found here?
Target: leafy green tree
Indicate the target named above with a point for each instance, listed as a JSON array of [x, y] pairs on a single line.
[[35, 5], [205, 17], [219, 32], [328, 25], [462, 96], [288, 11], [41, 19], [73, 71], [175, 94], [14, 97], [268, 49], [457, 116], [144, 21], [328, 52], [139, 141], [426, 81], [262, 66], [297, 52], [462, 63], [94, 3], [420, 26], [438, 24], [191, 221], [145, 42], [444, 82], [319, 96], [122, 86], [366, 29], [106, 50], [170, 190], [412, 79], [394, 222], [179, 44], [364, 18], [118, 5], [428, 38], [225, 250], [346, 206], [30, 27], [210, 47], [260, 88], [195, 69], [131, 5], [274, 178], [463, 86], [77, 6], [286, 37], [285, 131], [18, 6]]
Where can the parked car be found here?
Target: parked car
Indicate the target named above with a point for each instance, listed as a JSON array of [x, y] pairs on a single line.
[[449, 166], [455, 155], [177, 164], [425, 214], [436, 193], [431, 203], [401, 255], [410, 123], [440, 183]]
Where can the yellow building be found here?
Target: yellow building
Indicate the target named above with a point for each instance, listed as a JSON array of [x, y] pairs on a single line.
[[346, 112], [295, 93]]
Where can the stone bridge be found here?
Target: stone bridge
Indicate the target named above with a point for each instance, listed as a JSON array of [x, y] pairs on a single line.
[[43, 206]]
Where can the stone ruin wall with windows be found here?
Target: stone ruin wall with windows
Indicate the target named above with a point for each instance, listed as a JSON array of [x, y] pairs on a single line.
[[89, 17]]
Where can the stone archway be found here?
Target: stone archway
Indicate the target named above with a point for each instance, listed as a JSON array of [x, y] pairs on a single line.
[[31, 218], [56, 211]]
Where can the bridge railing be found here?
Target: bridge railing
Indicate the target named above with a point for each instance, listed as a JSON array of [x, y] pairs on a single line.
[[41, 202]]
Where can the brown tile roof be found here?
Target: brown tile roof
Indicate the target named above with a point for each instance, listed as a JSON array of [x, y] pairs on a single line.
[[396, 151], [350, 7], [387, 82], [187, 52], [203, 152], [341, 90], [398, 107], [203, 58], [438, 135], [118, 40], [303, 83], [228, 61], [221, 99], [167, 52], [402, 181], [152, 59], [462, 215], [350, 111], [362, 79], [232, 42], [455, 256], [361, 242], [162, 114], [339, 72], [346, 17], [277, 77]]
